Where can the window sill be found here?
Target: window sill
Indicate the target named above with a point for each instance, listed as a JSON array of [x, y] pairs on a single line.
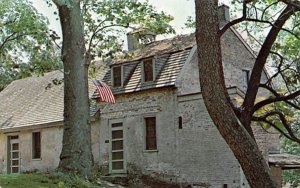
[[150, 151], [37, 159]]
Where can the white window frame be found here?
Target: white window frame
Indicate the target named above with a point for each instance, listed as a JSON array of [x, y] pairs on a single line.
[[8, 159], [153, 70], [124, 170], [112, 76]]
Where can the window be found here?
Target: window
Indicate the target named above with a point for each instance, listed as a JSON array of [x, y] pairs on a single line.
[[36, 145], [117, 162], [148, 70], [117, 76], [246, 77], [150, 133], [180, 122]]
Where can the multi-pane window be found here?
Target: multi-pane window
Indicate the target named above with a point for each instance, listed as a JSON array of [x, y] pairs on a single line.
[[150, 133], [117, 160], [148, 70], [246, 77], [117, 76], [36, 145]]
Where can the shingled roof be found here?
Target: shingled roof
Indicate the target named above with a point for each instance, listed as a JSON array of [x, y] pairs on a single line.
[[31, 101], [285, 160], [169, 55], [158, 48], [36, 101]]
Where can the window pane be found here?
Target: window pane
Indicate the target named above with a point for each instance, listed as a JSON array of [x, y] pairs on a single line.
[[15, 146], [117, 145], [15, 162], [148, 70], [117, 134], [151, 133], [15, 169], [15, 155], [117, 76], [14, 137], [117, 165], [117, 155], [116, 125]]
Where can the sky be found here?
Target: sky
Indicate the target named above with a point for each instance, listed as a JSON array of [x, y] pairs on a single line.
[[179, 9]]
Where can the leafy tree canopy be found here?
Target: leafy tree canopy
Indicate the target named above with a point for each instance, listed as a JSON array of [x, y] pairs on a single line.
[[26, 47], [106, 20]]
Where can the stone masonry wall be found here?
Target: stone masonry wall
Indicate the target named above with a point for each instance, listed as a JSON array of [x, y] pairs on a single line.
[[194, 155], [51, 144]]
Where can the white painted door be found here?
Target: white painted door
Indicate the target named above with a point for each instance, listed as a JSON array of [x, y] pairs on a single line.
[[117, 159]]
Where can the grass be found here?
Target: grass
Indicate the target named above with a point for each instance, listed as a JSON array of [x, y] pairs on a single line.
[[42, 180]]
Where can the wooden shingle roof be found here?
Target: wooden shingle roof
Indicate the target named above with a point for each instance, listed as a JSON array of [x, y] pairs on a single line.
[[36, 101], [31, 101]]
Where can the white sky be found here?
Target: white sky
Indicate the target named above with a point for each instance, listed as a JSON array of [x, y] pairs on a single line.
[[179, 9]]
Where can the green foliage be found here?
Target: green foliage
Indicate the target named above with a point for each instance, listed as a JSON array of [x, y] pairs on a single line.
[[39, 180], [106, 20], [26, 47], [291, 176]]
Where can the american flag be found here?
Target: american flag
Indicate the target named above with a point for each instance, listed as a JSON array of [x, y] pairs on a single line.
[[104, 92]]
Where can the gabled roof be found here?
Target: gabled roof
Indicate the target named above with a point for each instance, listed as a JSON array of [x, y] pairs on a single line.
[[169, 56], [31, 101], [35, 101]]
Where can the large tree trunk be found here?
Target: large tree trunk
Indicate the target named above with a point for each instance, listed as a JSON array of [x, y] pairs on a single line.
[[76, 155], [217, 100]]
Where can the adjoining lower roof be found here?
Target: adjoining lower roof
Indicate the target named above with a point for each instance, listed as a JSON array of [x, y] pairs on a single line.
[[33, 100], [36, 101], [284, 160]]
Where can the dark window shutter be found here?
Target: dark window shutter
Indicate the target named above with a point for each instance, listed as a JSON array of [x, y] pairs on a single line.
[[151, 133]]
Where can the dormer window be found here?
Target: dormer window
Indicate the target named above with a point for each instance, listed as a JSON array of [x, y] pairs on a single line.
[[148, 70], [117, 76]]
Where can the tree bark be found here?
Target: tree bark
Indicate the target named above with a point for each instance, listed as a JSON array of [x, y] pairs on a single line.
[[217, 99], [76, 155]]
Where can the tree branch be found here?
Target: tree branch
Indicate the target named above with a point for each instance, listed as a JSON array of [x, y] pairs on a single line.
[[279, 98], [11, 37], [294, 3], [259, 119], [258, 67]]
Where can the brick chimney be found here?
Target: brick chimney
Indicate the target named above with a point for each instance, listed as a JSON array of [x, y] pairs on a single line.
[[139, 37], [224, 16]]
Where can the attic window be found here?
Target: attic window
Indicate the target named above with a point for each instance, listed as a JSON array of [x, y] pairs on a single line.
[[148, 70], [117, 76], [246, 78]]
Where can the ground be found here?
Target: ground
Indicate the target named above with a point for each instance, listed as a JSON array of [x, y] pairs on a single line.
[[55, 180]]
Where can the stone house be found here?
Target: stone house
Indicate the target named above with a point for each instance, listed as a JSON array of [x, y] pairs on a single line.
[[159, 127]]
